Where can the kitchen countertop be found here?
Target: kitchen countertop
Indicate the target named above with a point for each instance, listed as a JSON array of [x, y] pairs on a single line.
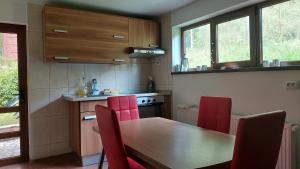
[[74, 98]]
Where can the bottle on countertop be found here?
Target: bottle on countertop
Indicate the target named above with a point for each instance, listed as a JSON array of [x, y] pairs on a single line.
[[151, 85], [82, 92]]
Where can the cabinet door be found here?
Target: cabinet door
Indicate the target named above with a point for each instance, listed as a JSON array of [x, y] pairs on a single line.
[[139, 31], [90, 139], [81, 36], [154, 39]]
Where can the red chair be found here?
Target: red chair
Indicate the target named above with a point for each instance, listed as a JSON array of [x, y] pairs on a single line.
[[125, 106], [214, 113], [258, 141], [112, 141]]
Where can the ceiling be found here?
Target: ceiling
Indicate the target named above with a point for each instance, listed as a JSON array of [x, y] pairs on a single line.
[[133, 7]]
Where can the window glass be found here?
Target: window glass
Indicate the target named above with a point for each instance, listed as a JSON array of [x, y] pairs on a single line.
[[197, 46], [233, 40], [281, 31]]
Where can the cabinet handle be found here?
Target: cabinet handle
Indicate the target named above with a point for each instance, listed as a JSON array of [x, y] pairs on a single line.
[[118, 36], [60, 58], [119, 60], [92, 117], [60, 31], [153, 46]]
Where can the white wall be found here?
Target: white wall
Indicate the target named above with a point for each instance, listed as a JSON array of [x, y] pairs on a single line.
[[13, 11], [252, 92]]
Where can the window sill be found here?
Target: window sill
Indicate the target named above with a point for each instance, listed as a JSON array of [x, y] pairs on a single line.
[[249, 69]]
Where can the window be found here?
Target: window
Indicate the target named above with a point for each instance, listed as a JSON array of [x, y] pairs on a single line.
[[233, 41], [197, 46], [280, 31], [246, 37]]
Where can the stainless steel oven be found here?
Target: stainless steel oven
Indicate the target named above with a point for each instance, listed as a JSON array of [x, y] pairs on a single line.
[[151, 106]]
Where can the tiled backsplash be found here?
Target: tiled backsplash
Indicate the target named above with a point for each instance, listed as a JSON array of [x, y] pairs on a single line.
[[48, 112]]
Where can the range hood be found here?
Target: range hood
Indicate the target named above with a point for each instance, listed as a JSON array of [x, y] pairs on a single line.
[[145, 52]]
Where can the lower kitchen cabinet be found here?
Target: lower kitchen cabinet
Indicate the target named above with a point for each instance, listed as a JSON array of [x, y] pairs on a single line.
[[85, 142]]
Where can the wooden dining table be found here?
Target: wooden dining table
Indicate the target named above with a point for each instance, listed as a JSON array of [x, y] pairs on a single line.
[[166, 144]]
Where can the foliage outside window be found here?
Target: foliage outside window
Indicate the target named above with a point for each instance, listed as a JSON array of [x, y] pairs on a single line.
[[281, 31], [8, 76], [197, 46], [234, 40], [245, 38]]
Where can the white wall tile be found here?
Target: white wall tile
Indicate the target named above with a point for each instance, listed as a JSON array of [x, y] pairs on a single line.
[[92, 71], [75, 73], [146, 71], [39, 131], [73, 91], [59, 127], [122, 80], [58, 75], [38, 75], [107, 76], [35, 53], [60, 148], [37, 152], [38, 101], [58, 106], [34, 14], [134, 77]]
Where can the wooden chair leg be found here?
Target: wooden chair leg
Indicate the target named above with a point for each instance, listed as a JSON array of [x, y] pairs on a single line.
[[102, 159]]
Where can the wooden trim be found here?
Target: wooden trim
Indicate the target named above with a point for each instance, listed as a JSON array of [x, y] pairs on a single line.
[[167, 107], [258, 40], [182, 48], [20, 30], [246, 69], [9, 109], [9, 135], [12, 160], [22, 57]]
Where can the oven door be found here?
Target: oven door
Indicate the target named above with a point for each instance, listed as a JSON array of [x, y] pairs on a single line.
[[151, 110]]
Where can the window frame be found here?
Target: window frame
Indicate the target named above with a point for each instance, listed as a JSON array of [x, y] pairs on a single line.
[[255, 26], [230, 17], [259, 9], [189, 27]]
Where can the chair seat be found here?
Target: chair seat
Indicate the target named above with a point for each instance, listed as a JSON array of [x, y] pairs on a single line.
[[134, 165]]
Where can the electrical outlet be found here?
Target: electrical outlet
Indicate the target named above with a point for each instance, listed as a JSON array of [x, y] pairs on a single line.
[[292, 85], [156, 62]]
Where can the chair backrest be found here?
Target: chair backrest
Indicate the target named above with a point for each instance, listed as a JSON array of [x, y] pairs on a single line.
[[125, 106], [215, 113], [258, 141], [111, 138]]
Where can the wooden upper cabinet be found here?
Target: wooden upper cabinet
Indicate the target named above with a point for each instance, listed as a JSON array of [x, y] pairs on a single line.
[[154, 38], [143, 33], [80, 36]]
